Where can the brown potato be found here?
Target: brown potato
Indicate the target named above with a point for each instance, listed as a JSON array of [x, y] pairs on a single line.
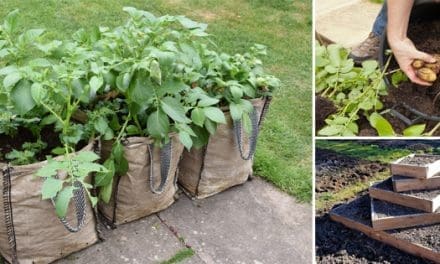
[[417, 64], [435, 67], [426, 74]]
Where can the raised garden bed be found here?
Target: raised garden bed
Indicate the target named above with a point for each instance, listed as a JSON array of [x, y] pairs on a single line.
[[417, 166], [403, 183], [419, 241], [425, 200], [388, 216]]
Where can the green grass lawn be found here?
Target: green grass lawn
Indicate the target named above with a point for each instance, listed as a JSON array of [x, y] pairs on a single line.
[[371, 151], [284, 152]]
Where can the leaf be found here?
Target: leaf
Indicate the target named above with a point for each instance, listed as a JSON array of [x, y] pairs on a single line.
[[51, 168], [11, 19], [236, 92], [215, 114], [190, 24], [40, 63], [210, 126], [37, 92], [171, 87], [414, 130], [174, 109], [21, 97], [62, 201], [198, 116], [86, 156], [8, 70], [101, 125], [247, 124], [51, 187], [123, 81], [11, 79], [186, 140], [329, 130], [158, 124], [236, 111], [382, 126], [118, 152], [105, 178], [155, 72], [95, 84], [398, 77], [208, 101], [105, 192], [369, 66], [32, 34], [133, 130]]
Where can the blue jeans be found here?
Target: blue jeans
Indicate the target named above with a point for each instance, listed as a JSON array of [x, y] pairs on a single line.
[[381, 21]]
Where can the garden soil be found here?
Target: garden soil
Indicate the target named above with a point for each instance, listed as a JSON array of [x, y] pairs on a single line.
[[324, 108], [48, 135], [336, 243], [424, 34], [335, 171]]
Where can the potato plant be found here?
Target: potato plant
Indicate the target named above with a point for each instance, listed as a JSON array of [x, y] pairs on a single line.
[[355, 91], [43, 90], [150, 77]]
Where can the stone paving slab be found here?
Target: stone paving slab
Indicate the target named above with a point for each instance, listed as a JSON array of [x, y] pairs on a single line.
[[254, 223], [347, 25], [144, 241]]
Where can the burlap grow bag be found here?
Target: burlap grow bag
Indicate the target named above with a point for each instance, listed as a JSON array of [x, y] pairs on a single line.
[[227, 159], [30, 231], [145, 189]]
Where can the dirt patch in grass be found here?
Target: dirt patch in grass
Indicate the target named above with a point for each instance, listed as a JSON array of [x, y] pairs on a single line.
[[335, 171]]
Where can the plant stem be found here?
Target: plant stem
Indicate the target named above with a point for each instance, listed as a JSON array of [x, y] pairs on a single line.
[[123, 127], [430, 133]]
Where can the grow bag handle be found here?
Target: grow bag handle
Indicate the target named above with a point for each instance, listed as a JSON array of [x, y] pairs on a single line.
[[80, 206], [253, 137], [165, 166]]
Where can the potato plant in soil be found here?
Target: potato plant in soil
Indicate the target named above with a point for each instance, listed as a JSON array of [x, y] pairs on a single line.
[[337, 81], [150, 77]]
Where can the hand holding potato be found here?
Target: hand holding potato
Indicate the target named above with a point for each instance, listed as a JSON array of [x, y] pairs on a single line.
[[427, 71]]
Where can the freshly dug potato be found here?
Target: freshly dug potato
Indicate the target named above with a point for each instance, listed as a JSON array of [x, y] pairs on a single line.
[[417, 64], [426, 74], [435, 67], [427, 71]]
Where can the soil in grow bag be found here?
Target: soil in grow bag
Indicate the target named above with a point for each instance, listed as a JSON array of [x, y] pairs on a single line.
[[23, 135]]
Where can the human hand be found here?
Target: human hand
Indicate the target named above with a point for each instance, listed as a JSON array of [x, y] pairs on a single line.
[[405, 53]]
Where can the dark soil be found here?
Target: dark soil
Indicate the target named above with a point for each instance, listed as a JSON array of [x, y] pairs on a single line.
[[324, 108], [420, 160], [337, 244], [384, 209], [8, 143], [387, 185], [357, 210], [424, 34], [335, 171]]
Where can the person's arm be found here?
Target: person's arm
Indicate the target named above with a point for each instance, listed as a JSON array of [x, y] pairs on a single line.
[[403, 48]]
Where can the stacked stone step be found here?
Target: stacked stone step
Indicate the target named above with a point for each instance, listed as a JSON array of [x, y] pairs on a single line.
[[410, 197]]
